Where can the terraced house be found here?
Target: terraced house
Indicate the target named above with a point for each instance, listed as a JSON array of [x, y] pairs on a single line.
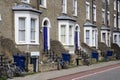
[[33, 24], [73, 22]]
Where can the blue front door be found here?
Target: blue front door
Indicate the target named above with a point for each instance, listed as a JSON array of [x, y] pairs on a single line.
[[76, 40], [45, 38]]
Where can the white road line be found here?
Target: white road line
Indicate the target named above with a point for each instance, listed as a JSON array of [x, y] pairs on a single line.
[[96, 73]]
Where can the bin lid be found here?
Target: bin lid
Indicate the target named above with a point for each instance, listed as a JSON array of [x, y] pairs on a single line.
[[35, 53]]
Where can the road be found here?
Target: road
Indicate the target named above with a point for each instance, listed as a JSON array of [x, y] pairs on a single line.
[[105, 73], [113, 74]]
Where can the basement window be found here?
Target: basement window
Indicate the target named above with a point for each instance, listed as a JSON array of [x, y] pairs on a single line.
[[0, 17]]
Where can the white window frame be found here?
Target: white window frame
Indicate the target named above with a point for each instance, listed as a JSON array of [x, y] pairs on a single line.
[[26, 1], [78, 31], [108, 1], [119, 22], [107, 37], [108, 16], [75, 7], [44, 4], [103, 16], [94, 12], [119, 40], [28, 16], [64, 6], [114, 4], [93, 37], [118, 6], [115, 38], [87, 37], [21, 30], [63, 34], [87, 12], [71, 34], [0, 17], [115, 20], [33, 30], [67, 32]]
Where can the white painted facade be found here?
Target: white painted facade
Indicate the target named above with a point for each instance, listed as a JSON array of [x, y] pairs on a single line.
[[48, 29], [93, 36], [116, 38], [28, 16], [106, 37], [69, 43]]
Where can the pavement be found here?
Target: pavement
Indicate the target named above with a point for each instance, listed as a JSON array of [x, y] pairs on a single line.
[[63, 72]]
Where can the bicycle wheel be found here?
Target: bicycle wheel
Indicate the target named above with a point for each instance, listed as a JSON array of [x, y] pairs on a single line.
[[10, 73], [18, 71]]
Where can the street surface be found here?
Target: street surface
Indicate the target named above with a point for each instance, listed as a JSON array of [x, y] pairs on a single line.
[[105, 73], [113, 74]]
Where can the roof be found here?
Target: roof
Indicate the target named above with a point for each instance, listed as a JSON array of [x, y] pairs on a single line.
[[105, 28], [88, 24], [24, 7], [65, 17]]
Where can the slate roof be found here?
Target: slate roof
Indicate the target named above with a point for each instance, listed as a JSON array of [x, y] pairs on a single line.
[[65, 17], [105, 28], [24, 7], [89, 24]]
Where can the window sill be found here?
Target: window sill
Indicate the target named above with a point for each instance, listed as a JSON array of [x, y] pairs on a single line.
[[25, 2], [42, 6], [75, 16], [28, 43]]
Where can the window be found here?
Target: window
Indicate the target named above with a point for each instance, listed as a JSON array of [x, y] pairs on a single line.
[[21, 33], [114, 20], [63, 34], [118, 6], [87, 10], [75, 7], [108, 18], [93, 37], [64, 6], [114, 4], [70, 34], [43, 3], [104, 37], [103, 4], [115, 38], [87, 36], [33, 30], [26, 29], [103, 16], [0, 17], [108, 39], [94, 12], [118, 21], [119, 38], [26, 1], [108, 2]]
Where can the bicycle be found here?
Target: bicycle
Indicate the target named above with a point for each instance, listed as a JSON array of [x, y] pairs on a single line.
[[85, 59], [6, 71]]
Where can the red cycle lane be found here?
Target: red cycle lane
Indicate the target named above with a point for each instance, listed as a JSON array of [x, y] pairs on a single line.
[[78, 76]]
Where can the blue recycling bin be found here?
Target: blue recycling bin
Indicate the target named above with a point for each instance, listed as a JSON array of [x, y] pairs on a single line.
[[66, 57], [95, 55], [109, 53], [19, 61]]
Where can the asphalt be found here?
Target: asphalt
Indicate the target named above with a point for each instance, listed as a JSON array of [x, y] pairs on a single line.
[[63, 72]]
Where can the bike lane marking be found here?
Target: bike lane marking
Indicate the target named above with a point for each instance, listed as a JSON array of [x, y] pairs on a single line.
[[83, 73], [109, 69]]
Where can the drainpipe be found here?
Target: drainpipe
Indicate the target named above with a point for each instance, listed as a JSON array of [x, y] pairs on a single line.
[[92, 12], [117, 14], [38, 4], [106, 13]]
